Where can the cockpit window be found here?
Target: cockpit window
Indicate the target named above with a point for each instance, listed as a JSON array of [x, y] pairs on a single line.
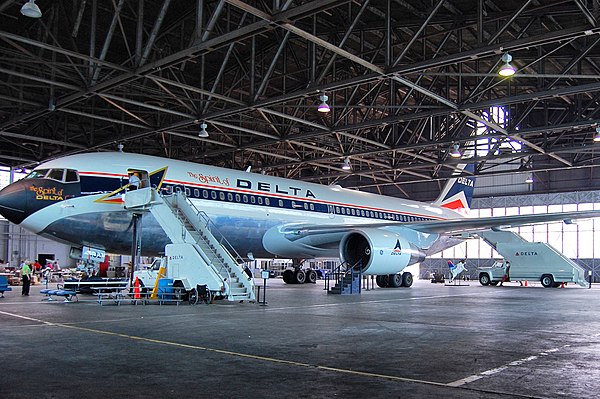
[[37, 174], [71, 176], [56, 174]]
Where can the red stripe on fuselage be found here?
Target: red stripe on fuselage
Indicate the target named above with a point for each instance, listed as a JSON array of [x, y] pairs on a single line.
[[274, 195]]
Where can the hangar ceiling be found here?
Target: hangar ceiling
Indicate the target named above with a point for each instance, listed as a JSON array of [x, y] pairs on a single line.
[[406, 81]]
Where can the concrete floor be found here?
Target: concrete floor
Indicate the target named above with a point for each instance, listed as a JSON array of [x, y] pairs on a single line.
[[426, 341]]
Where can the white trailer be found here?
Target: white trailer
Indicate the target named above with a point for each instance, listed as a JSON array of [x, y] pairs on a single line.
[[182, 264], [529, 261]]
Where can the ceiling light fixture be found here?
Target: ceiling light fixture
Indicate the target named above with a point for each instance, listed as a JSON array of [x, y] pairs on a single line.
[[346, 165], [323, 107], [455, 153], [507, 69], [597, 136], [31, 10], [203, 133], [529, 178]]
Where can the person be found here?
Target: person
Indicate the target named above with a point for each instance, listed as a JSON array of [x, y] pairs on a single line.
[[2, 266], [56, 266], [26, 277], [47, 275], [37, 267], [134, 181], [506, 276]]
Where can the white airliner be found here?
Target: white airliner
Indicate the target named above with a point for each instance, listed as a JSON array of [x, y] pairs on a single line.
[[78, 200]]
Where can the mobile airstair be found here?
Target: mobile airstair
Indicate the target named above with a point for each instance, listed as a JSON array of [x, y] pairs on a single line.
[[207, 258], [534, 260]]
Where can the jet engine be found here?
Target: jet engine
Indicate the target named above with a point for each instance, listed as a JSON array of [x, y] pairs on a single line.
[[379, 251]]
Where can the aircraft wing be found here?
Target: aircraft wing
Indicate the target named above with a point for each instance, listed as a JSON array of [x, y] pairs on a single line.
[[449, 226]]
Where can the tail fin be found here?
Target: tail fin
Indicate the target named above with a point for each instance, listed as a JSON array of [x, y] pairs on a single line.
[[458, 192]]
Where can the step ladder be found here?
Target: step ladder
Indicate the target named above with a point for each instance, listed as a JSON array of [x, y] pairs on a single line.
[[347, 280], [512, 247], [185, 225]]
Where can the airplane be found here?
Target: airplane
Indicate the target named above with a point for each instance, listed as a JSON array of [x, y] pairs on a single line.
[[78, 200], [456, 269]]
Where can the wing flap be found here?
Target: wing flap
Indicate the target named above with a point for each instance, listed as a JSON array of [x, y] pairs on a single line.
[[449, 226]]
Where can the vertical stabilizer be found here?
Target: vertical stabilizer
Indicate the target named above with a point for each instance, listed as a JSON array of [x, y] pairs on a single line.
[[458, 192]]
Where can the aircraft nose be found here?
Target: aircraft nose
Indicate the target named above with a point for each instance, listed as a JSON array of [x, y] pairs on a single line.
[[13, 202]]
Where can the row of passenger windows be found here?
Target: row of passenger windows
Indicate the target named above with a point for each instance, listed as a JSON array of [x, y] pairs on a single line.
[[217, 195], [341, 210]]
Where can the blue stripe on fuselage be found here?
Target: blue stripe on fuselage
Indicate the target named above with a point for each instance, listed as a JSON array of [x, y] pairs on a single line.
[[98, 184]]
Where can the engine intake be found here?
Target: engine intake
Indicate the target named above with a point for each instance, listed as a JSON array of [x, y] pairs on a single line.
[[378, 251]]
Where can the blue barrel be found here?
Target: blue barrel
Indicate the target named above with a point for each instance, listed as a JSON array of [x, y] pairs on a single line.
[[165, 286]]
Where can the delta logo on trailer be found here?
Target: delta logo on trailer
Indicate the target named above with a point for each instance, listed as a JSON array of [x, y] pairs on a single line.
[[526, 253]]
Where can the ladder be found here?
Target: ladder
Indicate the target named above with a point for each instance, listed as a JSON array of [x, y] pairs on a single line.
[[185, 224], [534, 257]]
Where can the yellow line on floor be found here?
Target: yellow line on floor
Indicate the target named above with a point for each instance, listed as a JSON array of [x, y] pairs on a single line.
[[226, 352]]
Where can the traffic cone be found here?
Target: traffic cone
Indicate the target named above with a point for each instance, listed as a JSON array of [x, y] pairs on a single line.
[[525, 284], [136, 289], [562, 285]]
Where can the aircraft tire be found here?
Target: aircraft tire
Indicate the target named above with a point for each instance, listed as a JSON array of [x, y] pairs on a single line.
[[484, 279], [193, 296], [300, 276], [547, 281], [407, 279], [395, 280], [311, 276], [288, 276], [380, 281]]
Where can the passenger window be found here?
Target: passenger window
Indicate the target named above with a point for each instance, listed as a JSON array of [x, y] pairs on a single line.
[[213, 195], [280, 203], [237, 198], [260, 201], [245, 197], [56, 174], [252, 199], [205, 194], [196, 193], [71, 176], [229, 197], [222, 196], [267, 202]]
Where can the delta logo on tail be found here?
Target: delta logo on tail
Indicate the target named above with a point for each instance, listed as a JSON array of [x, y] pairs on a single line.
[[458, 193]]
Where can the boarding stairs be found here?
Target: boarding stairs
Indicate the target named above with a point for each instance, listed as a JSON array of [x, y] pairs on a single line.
[[220, 267], [347, 280], [516, 249]]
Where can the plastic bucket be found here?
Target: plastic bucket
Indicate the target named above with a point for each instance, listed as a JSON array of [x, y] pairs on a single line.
[[165, 286]]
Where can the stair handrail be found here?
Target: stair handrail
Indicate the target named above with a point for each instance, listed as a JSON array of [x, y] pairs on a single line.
[[227, 246], [342, 270], [212, 257]]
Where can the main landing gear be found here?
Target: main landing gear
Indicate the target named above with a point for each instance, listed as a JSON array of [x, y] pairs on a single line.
[[299, 276], [394, 280]]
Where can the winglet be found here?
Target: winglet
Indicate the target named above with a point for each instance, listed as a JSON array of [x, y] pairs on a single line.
[[458, 192]]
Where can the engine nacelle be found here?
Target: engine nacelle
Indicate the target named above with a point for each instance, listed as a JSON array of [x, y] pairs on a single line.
[[379, 251]]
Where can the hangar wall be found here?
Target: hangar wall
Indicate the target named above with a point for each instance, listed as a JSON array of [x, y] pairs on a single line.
[[575, 240], [17, 243]]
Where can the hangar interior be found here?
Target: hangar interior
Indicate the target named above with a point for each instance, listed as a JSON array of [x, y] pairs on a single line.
[[413, 92], [412, 88]]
